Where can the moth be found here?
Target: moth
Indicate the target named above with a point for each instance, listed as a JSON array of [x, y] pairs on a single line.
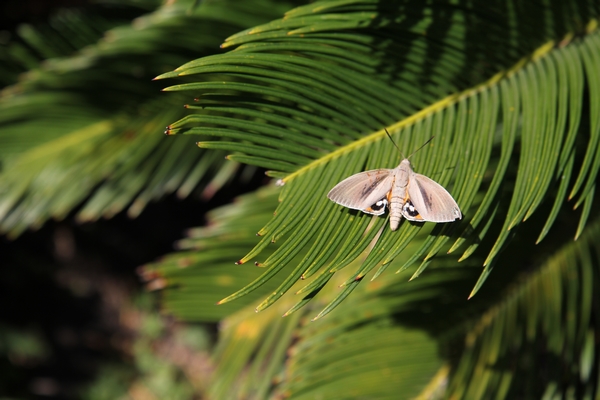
[[408, 194]]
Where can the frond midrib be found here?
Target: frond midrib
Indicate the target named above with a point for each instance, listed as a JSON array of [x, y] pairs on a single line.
[[439, 105]]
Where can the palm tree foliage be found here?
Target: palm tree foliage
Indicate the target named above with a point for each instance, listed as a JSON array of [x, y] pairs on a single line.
[[419, 338], [545, 328], [307, 97], [510, 92], [67, 31], [83, 128]]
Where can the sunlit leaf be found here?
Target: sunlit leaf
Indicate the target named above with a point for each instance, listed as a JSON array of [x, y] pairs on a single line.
[[337, 73]]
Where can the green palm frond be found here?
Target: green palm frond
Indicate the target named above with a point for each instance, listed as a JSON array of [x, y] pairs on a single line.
[[350, 348], [396, 336], [308, 96], [542, 336], [372, 358], [195, 278], [84, 129], [66, 31], [393, 336], [344, 354]]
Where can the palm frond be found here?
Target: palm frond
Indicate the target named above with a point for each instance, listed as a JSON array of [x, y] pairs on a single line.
[[263, 355], [66, 31], [389, 325], [540, 338], [195, 278], [536, 339], [344, 354], [338, 361], [308, 96], [84, 129]]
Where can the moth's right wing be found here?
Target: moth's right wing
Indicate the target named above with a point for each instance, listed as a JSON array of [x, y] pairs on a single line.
[[430, 201], [366, 191]]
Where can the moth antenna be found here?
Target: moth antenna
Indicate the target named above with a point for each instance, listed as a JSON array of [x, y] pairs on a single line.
[[423, 145], [394, 143]]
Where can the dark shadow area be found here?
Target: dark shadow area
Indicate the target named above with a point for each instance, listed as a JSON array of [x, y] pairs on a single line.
[[66, 286], [479, 44]]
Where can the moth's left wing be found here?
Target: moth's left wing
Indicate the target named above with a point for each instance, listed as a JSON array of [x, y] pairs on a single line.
[[366, 191]]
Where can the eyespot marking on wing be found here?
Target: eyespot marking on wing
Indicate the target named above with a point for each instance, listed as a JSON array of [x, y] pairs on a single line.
[[409, 210], [378, 207]]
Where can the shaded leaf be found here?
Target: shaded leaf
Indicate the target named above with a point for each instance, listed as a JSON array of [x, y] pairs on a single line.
[[87, 129]]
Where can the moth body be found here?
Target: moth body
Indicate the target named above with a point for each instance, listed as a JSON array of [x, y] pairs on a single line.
[[399, 192]]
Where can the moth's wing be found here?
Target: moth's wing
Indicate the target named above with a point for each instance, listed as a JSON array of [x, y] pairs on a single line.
[[366, 191], [429, 201]]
